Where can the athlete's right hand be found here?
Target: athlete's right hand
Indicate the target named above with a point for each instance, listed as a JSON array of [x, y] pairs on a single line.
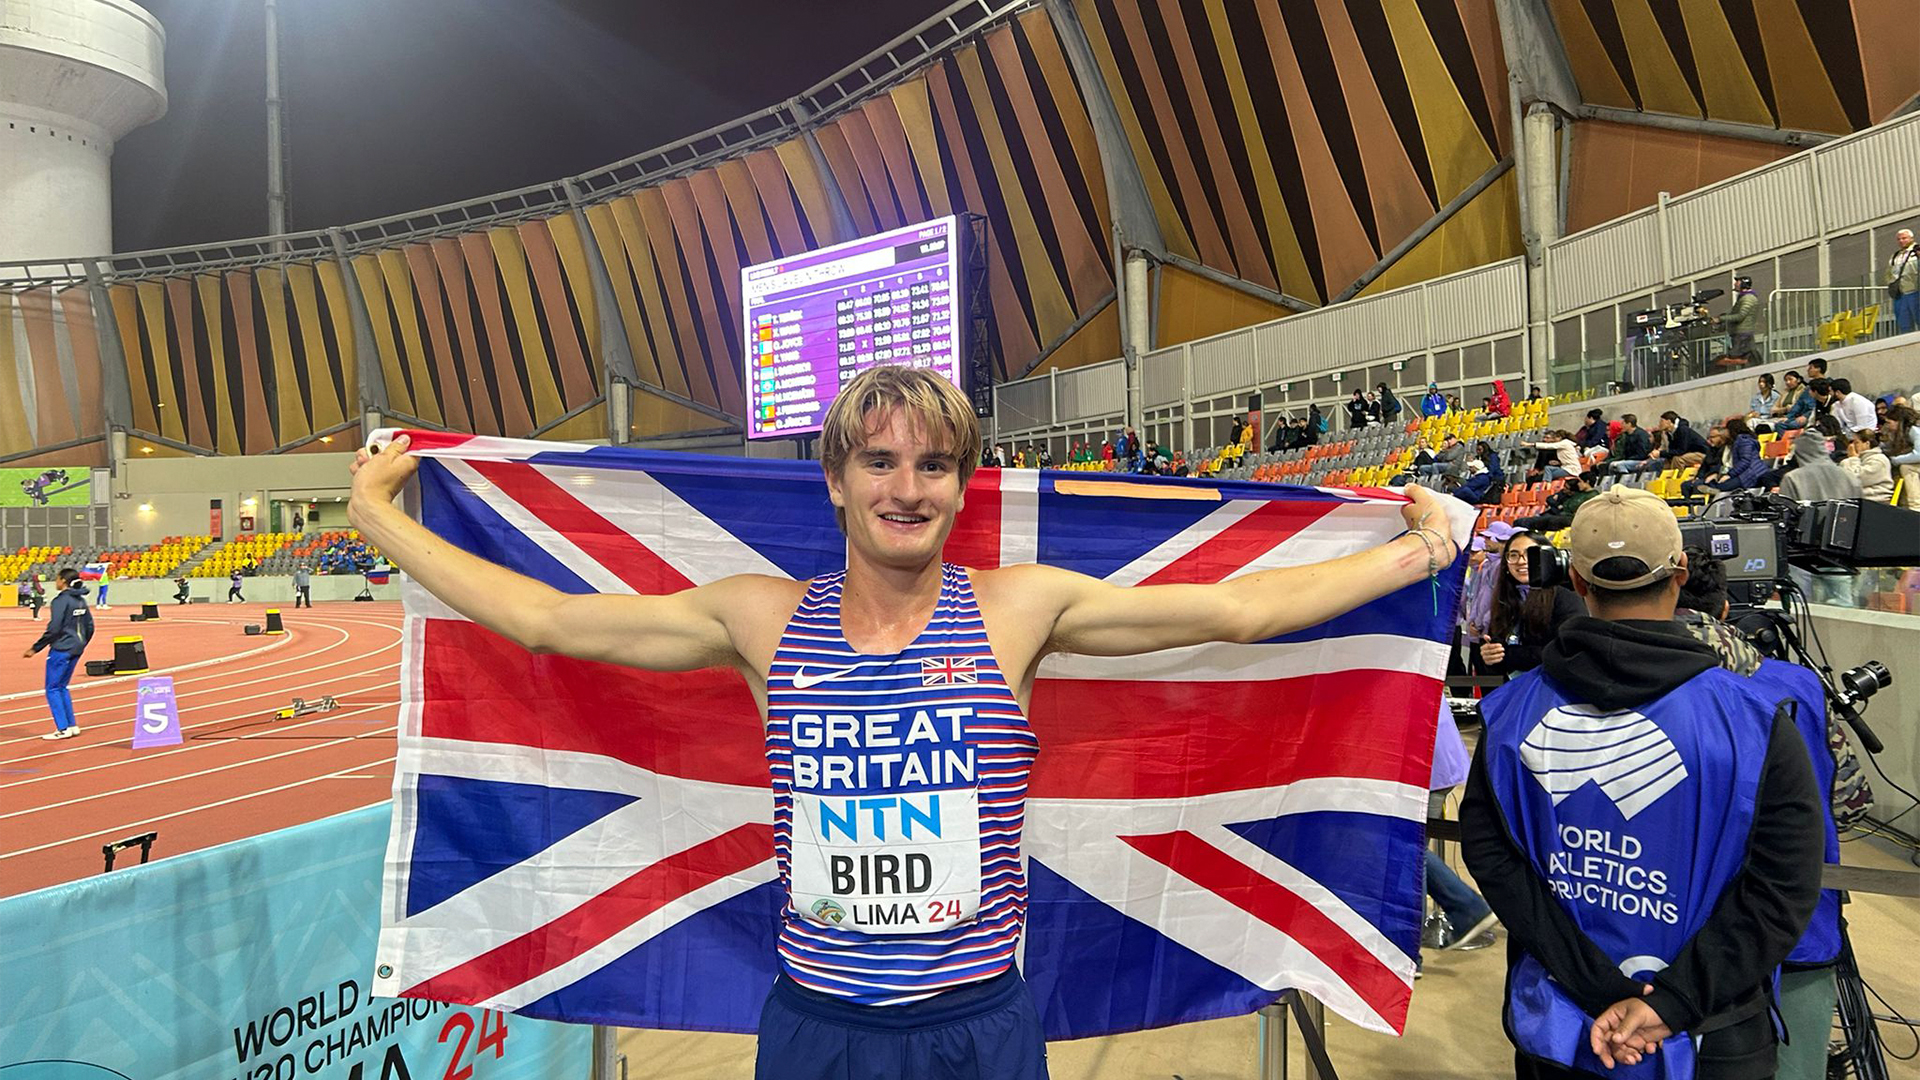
[[380, 473]]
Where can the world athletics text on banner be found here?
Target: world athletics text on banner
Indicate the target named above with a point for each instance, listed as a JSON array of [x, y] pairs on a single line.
[[46, 487], [248, 961], [1204, 827]]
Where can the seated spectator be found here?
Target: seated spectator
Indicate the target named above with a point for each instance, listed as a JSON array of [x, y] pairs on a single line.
[[1814, 477], [1685, 448], [1502, 404], [1422, 452], [1558, 513], [1900, 436], [1760, 406], [1631, 448], [1566, 454], [1534, 394], [1488, 457], [1453, 404], [1473, 490], [1435, 403], [1867, 463], [1796, 404], [1450, 461], [1856, 413], [1593, 433], [1180, 466], [1713, 473], [1747, 468], [1523, 620]]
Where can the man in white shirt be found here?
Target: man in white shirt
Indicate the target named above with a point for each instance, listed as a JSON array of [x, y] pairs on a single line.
[[1854, 411]]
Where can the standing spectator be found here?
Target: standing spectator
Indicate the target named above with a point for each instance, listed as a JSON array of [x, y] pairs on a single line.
[[1761, 405], [299, 522], [1358, 415], [21, 592], [100, 598], [303, 586], [1742, 318], [1854, 411], [38, 595], [1632, 448], [1566, 454], [1390, 407], [1476, 610], [1502, 404], [233, 588], [1868, 464], [1469, 920], [68, 631], [1233, 433], [1903, 283], [1106, 450], [1435, 403], [1534, 394], [1046, 455], [1523, 620], [1316, 424], [986, 462]]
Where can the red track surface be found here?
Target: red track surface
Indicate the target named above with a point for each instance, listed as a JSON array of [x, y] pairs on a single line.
[[239, 772]]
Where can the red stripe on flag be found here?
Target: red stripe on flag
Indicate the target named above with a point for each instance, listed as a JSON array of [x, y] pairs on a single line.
[[1286, 911], [975, 540], [571, 935], [1116, 739], [479, 687], [603, 541], [422, 439], [1267, 527]]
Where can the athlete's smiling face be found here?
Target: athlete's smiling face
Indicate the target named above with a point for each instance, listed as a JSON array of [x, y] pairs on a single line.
[[900, 491]]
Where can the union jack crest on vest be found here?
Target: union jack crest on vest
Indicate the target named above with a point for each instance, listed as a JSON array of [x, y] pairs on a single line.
[[1205, 827], [947, 670]]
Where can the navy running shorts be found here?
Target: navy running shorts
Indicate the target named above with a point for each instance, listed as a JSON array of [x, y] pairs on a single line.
[[986, 1031]]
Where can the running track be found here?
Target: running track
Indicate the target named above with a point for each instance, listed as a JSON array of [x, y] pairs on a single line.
[[238, 772]]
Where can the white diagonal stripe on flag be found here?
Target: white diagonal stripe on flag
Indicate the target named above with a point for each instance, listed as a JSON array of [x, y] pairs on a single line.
[[1184, 542], [645, 509], [597, 577], [1019, 516], [1233, 662]]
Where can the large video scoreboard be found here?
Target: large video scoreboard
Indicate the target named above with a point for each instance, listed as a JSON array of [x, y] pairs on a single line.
[[816, 320]]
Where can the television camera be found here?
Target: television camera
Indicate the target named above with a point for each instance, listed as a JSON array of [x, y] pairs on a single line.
[[1685, 318]]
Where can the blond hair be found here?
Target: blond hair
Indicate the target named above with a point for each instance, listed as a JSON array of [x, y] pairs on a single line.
[[932, 404]]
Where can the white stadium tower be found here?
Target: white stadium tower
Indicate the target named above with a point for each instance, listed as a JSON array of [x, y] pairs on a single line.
[[75, 76]]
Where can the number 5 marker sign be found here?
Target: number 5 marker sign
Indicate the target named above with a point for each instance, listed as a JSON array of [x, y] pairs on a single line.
[[156, 718]]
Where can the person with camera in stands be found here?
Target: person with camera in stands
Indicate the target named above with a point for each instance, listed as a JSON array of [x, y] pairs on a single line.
[[1523, 619], [1645, 823], [1740, 322]]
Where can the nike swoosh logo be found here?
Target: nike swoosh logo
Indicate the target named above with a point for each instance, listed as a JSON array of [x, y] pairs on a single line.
[[802, 680]]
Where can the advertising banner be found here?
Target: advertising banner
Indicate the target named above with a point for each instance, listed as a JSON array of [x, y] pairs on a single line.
[[248, 961]]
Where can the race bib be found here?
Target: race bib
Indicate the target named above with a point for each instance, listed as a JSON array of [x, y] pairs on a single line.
[[903, 863]]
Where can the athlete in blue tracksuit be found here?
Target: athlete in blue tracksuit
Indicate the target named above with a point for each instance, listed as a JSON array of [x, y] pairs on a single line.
[[68, 631], [1647, 826]]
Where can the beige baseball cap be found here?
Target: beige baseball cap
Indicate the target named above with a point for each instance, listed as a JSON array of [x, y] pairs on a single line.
[[1624, 522]]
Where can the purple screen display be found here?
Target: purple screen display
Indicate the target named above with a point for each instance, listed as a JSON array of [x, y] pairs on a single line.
[[814, 321]]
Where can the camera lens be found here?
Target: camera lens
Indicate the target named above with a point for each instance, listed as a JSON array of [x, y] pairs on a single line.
[[1867, 680]]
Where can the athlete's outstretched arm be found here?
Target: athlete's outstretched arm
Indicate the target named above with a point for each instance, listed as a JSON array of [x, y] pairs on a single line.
[[684, 631], [1095, 618]]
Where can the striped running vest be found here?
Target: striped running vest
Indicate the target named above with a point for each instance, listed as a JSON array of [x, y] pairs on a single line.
[[899, 788]]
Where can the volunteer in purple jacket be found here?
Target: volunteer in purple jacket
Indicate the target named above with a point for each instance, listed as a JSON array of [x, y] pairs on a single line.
[[899, 798]]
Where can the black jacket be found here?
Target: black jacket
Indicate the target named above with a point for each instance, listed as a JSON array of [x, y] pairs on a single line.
[[70, 625], [1727, 967], [1524, 654], [1684, 440]]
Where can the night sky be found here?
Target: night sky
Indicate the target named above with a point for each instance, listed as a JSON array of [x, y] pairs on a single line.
[[400, 105]]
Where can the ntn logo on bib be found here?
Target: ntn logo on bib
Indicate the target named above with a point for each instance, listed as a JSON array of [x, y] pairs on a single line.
[[902, 863]]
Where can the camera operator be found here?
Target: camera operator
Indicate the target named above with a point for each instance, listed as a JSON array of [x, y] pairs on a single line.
[[1523, 619], [1645, 823], [1807, 993], [1740, 321]]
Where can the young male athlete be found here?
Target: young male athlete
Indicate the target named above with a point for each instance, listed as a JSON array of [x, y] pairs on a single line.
[[896, 952]]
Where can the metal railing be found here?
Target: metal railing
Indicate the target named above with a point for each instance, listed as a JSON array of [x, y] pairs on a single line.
[[1802, 321]]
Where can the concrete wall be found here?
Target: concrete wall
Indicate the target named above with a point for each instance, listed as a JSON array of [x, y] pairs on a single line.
[[178, 490], [1874, 367], [1854, 637], [126, 595]]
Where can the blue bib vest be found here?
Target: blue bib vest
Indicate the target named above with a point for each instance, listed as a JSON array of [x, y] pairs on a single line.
[[1781, 681], [1638, 819]]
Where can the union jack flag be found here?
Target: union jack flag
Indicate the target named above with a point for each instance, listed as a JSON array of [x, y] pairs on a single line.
[[1205, 826], [947, 671]]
